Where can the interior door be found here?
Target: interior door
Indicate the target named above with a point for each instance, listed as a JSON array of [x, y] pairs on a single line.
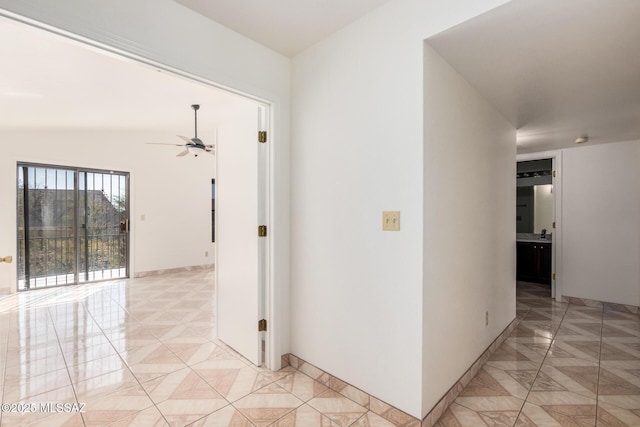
[[239, 271]]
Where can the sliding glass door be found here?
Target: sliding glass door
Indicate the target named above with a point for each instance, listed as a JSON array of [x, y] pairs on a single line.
[[73, 225], [104, 225]]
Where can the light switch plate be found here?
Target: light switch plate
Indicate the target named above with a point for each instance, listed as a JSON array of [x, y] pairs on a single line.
[[391, 220]]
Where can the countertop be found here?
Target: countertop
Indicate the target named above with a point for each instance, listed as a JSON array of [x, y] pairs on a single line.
[[533, 238]]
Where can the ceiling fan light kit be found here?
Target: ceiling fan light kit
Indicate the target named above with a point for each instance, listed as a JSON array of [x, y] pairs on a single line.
[[193, 145]]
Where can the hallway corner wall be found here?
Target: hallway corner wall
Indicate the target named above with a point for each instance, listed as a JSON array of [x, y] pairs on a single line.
[[469, 229]]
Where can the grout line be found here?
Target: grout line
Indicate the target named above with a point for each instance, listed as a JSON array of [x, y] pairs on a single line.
[[187, 365], [599, 365], [483, 365], [524, 401], [513, 325], [543, 359], [123, 360], [229, 351], [553, 339], [360, 418], [64, 358]]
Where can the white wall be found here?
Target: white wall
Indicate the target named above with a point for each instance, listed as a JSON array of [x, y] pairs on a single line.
[[601, 230], [165, 32], [174, 194], [469, 234], [357, 303], [357, 102]]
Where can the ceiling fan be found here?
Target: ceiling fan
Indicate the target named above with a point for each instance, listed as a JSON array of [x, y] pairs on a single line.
[[193, 145]]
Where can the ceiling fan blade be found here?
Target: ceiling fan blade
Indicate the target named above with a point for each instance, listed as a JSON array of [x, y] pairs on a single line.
[[183, 153], [185, 139], [209, 146], [164, 143]]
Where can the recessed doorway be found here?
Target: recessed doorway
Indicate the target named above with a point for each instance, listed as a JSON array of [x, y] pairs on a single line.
[[538, 220]]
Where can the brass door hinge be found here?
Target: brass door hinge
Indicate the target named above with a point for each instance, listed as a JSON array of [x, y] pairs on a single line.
[[262, 325], [262, 231], [554, 174], [553, 276], [553, 225], [262, 136]]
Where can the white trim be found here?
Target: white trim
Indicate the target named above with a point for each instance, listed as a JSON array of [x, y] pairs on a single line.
[[556, 243], [273, 350], [264, 217]]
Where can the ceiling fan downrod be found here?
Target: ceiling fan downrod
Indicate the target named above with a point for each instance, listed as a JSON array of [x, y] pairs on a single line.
[[195, 112]]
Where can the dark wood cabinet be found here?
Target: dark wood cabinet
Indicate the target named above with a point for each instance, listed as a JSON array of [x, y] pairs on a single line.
[[533, 262]]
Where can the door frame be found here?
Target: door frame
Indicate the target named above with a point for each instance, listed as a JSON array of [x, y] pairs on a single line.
[[124, 50], [264, 215], [556, 242]]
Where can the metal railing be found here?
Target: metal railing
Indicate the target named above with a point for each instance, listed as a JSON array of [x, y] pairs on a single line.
[[102, 253]]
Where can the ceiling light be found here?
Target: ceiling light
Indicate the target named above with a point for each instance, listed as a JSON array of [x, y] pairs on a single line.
[[582, 139]]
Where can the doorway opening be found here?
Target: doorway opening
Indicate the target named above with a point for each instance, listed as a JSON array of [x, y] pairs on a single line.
[[73, 225], [538, 215], [236, 120]]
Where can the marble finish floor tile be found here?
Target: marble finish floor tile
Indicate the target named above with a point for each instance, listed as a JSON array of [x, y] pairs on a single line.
[[141, 352], [193, 350], [305, 416], [392, 414], [233, 379], [43, 419], [565, 365], [371, 419], [618, 415], [460, 416], [558, 415], [183, 397], [582, 380], [148, 417], [267, 405], [337, 408], [302, 386], [103, 409], [19, 385], [491, 382], [225, 417]]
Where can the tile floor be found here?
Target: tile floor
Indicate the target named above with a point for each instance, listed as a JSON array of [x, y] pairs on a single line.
[[564, 365], [142, 352]]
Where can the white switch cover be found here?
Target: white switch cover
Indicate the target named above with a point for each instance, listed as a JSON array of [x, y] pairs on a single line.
[[391, 220]]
